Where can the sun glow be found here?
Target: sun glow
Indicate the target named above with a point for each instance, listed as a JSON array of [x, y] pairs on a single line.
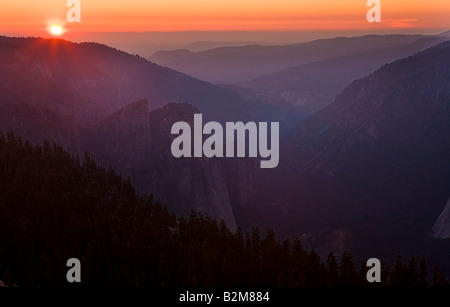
[[56, 30], [36, 18]]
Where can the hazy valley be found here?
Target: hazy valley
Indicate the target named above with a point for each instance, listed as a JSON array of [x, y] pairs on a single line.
[[365, 138]]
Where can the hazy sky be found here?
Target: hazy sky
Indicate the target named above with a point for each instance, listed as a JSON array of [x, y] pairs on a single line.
[[31, 17]]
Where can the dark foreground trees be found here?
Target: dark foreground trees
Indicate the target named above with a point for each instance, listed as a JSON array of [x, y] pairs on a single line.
[[54, 207]]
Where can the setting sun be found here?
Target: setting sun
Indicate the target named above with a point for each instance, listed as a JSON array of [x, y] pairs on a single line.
[[56, 30], [28, 17]]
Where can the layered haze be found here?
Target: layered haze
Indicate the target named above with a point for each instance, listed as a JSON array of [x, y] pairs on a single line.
[[364, 140]]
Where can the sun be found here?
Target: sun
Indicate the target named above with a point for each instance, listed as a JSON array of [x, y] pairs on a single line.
[[56, 30]]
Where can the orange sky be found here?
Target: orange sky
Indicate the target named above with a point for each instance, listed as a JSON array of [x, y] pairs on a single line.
[[31, 17]]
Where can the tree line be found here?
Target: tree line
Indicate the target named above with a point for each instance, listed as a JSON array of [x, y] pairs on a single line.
[[55, 206]]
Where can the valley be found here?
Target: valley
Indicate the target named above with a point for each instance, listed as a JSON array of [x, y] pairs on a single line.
[[363, 132]]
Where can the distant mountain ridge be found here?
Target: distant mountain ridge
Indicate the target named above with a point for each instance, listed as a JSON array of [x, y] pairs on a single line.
[[315, 85], [89, 81], [239, 64]]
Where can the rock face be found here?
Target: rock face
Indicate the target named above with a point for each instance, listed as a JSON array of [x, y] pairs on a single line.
[[375, 162], [389, 130], [137, 142], [441, 229], [78, 95]]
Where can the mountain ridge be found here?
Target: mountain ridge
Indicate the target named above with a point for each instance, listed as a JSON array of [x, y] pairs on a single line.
[[240, 64], [90, 81], [374, 163], [303, 85]]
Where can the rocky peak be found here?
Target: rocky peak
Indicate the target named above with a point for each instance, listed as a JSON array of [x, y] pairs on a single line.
[[441, 229]]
